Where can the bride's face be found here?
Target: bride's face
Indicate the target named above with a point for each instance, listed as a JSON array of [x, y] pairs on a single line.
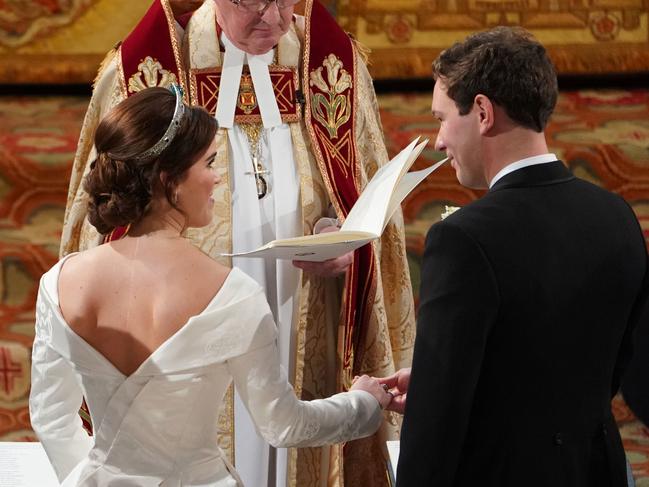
[[194, 192]]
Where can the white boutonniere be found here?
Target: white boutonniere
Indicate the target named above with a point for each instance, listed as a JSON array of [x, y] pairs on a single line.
[[448, 211]]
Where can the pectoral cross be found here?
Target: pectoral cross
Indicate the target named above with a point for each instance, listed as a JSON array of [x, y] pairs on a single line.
[[259, 171]]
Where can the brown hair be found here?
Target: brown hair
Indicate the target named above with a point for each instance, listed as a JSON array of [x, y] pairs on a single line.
[[507, 65], [119, 185]]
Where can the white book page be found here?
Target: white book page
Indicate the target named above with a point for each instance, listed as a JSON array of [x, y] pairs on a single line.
[[368, 212], [406, 185], [366, 220], [25, 464], [314, 253]]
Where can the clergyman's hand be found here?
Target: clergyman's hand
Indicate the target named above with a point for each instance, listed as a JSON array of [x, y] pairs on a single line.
[[397, 384], [327, 268]]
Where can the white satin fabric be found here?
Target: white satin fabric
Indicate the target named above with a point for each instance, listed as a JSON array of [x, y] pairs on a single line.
[[157, 427]]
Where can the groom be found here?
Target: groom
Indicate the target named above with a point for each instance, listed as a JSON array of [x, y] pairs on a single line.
[[528, 296]]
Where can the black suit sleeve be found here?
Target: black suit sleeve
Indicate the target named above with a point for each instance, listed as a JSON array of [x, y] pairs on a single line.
[[636, 344], [458, 305]]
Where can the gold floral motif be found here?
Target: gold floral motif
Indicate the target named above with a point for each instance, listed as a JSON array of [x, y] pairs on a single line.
[[154, 75], [332, 108]]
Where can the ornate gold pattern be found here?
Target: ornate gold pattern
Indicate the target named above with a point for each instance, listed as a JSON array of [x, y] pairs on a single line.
[[205, 84], [154, 75], [338, 153], [171, 26], [247, 100], [334, 109], [582, 36]]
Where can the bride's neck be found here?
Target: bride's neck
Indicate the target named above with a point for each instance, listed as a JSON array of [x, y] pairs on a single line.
[[169, 224]]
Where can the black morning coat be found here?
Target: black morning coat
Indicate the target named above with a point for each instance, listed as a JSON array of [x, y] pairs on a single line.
[[528, 299]]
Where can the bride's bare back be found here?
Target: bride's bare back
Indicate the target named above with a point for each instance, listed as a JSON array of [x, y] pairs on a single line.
[[128, 297]]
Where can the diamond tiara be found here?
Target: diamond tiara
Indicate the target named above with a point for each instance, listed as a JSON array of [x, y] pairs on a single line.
[[171, 131]]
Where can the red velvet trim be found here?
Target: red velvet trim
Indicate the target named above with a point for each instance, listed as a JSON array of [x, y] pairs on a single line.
[[151, 37], [337, 157], [183, 20], [205, 85], [116, 234]]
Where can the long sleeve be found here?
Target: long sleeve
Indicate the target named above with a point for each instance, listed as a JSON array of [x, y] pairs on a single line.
[[458, 305], [285, 421], [54, 400]]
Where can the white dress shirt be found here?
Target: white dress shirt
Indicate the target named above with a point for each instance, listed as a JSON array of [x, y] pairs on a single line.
[[528, 161]]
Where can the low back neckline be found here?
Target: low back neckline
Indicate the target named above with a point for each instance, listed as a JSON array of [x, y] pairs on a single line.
[[54, 295]]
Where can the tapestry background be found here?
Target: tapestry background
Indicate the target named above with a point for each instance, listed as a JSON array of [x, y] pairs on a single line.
[[63, 41], [582, 36]]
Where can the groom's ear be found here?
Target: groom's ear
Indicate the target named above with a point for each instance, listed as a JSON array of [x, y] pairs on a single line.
[[485, 112]]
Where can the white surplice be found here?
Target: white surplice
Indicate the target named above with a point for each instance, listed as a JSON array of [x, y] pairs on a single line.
[[255, 222], [157, 426]]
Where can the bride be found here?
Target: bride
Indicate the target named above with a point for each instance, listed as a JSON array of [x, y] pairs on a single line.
[[151, 331]]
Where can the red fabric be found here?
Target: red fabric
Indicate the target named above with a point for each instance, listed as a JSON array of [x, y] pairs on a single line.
[[183, 19], [116, 234], [338, 160], [151, 37], [208, 83]]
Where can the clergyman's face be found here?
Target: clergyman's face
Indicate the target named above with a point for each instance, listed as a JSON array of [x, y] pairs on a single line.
[[251, 32], [459, 136]]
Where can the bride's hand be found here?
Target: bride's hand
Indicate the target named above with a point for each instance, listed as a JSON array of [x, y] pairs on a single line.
[[371, 385]]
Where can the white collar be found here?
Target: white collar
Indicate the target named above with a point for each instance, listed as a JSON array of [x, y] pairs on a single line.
[[528, 161], [233, 62]]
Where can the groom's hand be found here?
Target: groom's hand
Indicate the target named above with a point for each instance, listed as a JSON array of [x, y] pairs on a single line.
[[397, 384]]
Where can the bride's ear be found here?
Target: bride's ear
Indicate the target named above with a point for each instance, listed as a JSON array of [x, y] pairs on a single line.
[[160, 186]]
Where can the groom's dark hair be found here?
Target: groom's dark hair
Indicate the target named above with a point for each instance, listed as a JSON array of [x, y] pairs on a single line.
[[507, 65]]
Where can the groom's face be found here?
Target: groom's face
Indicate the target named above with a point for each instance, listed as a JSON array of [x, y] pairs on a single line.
[[459, 137], [250, 31]]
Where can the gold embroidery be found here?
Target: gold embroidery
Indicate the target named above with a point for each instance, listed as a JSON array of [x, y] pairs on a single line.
[[154, 75], [247, 100], [205, 84], [340, 152], [334, 110]]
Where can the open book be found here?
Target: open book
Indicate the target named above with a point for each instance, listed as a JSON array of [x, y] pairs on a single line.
[[367, 218]]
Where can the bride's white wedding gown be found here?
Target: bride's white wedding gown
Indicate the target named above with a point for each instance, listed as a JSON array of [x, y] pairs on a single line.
[[158, 426]]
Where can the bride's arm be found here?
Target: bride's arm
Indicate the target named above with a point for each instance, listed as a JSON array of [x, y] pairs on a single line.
[[282, 419], [54, 401]]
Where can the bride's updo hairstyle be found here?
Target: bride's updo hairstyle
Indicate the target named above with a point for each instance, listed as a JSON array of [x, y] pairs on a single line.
[[125, 174]]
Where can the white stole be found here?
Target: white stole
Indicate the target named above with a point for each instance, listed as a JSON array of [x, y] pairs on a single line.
[[255, 222]]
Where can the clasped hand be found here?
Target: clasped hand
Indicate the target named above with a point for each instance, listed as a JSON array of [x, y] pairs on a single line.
[[397, 385], [389, 391]]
